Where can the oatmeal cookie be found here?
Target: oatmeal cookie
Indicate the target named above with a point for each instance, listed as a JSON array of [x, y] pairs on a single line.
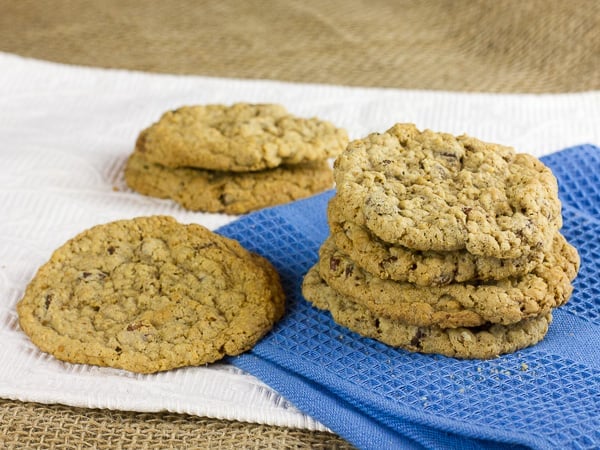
[[227, 192], [241, 137], [433, 191], [504, 301], [482, 342], [150, 294], [424, 268]]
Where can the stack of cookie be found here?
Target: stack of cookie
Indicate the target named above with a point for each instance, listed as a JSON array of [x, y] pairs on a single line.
[[234, 159], [443, 244]]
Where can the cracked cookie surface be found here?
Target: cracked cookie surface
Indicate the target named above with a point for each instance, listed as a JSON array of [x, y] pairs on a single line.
[[424, 268], [433, 191], [482, 342], [150, 294], [504, 301], [241, 137], [227, 192]]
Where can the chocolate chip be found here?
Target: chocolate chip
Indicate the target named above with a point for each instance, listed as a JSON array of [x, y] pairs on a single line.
[[134, 326], [349, 270], [48, 300], [416, 340], [334, 263], [110, 250]]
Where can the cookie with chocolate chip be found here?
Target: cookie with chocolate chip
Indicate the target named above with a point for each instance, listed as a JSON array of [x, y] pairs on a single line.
[[150, 294], [505, 301], [227, 192], [423, 268], [431, 191], [240, 138], [487, 340]]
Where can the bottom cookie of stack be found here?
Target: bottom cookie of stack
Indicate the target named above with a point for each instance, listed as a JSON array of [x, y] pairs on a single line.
[[227, 192], [480, 342]]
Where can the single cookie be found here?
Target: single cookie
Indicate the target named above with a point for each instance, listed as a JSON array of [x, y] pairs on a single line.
[[242, 137], [424, 268], [433, 191], [459, 304], [150, 294], [227, 192], [482, 342]]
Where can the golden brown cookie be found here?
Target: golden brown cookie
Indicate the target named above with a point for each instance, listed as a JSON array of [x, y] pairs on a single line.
[[424, 268], [504, 301], [433, 191], [482, 342], [241, 137], [150, 294], [227, 192]]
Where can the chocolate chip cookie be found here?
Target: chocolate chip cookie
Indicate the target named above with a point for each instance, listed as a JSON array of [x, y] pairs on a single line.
[[485, 341], [433, 191], [424, 268], [504, 301], [242, 137], [227, 192], [150, 294]]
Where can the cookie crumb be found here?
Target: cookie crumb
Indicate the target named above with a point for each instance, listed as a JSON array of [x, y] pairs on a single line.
[[524, 367]]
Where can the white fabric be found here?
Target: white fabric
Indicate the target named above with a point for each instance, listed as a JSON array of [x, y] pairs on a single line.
[[65, 133]]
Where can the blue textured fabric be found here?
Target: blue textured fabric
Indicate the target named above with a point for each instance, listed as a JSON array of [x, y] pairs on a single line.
[[375, 396]]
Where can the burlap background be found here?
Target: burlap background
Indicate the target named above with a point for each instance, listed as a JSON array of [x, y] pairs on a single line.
[[464, 45], [475, 45]]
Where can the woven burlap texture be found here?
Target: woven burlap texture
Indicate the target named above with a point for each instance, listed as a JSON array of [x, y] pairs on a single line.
[[530, 46], [32, 425], [464, 45]]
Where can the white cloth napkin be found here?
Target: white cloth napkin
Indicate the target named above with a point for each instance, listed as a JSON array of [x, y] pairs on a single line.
[[65, 133]]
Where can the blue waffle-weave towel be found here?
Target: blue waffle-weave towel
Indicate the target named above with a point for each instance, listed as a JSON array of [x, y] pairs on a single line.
[[377, 397]]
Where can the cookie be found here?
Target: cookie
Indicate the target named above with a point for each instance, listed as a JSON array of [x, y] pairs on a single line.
[[227, 192], [433, 191], [458, 304], [242, 137], [150, 294], [485, 341], [424, 268]]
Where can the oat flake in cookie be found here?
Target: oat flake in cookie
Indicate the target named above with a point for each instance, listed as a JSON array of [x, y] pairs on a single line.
[[150, 294], [433, 191], [242, 137]]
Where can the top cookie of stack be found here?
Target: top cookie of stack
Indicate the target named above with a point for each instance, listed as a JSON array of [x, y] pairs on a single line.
[[443, 244], [433, 191], [234, 159]]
